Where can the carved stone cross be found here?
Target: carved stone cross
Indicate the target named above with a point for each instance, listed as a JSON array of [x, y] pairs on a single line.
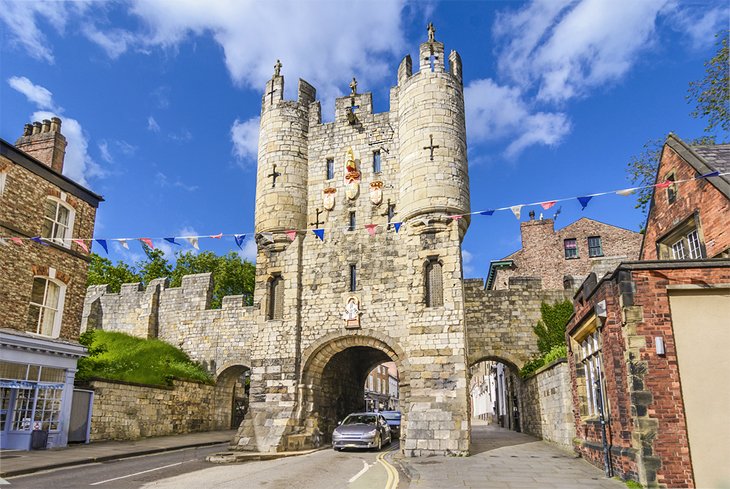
[[316, 222], [273, 176], [353, 86], [431, 146]]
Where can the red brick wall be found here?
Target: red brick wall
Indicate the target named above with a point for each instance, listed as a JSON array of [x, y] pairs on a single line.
[[542, 254], [647, 424], [21, 214], [697, 195]]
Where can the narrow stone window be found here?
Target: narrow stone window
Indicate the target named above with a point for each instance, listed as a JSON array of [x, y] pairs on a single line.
[[571, 248], [3, 177], [330, 168], [352, 223], [672, 189], [276, 298], [376, 161], [594, 246], [434, 283], [391, 213], [353, 278]]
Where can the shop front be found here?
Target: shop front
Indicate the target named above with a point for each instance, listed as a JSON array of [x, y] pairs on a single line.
[[36, 390]]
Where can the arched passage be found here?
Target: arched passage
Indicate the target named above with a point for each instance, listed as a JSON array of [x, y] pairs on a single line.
[[231, 396], [334, 373], [495, 389]]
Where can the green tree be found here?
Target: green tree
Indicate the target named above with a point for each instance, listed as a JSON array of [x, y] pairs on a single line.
[[550, 329], [102, 271], [154, 266], [711, 95], [231, 274]]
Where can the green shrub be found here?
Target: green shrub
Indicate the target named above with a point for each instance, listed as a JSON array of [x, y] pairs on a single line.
[[550, 329], [559, 351], [122, 357]]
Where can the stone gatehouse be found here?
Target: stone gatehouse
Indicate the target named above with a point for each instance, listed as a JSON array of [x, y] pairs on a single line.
[[380, 280]]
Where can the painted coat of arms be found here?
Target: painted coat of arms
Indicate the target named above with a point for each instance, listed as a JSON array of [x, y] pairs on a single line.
[[376, 192], [328, 198], [352, 176]]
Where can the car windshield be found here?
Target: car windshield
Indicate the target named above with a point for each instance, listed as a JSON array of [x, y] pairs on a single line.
[[391, 416], [360, 419]]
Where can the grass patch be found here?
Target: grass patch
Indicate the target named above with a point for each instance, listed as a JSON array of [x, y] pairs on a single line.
[[122, 357], [633, 485]]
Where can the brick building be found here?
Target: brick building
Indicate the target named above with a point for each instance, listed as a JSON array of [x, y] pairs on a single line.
[[381, 388], [648, 343], [690, 220], [42, 284], [563, 258]]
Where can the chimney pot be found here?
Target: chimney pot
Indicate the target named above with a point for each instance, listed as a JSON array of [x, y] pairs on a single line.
[[55, 124], [46, 125], [532, 215], [27, 129], [36, 127]]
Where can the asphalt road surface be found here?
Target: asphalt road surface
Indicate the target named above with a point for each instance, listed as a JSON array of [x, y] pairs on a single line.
[[183, 469]]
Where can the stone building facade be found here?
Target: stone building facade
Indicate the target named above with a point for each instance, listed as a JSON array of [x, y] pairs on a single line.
[[563, 258], [42, 284]]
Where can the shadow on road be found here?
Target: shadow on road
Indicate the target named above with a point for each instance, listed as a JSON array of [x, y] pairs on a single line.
[[485, 438]]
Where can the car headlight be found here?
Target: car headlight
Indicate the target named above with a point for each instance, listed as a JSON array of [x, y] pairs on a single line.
[[371, 433]]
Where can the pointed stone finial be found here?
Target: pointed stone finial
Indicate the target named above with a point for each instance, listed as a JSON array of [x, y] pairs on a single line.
[[353, 86], [277, 68], [431, 32]]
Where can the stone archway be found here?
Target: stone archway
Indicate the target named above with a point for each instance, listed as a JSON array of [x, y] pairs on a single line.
[[231, 395], [504, 385], [333, 376]]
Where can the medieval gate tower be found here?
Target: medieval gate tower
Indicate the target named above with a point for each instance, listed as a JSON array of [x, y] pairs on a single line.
[[331, 309]]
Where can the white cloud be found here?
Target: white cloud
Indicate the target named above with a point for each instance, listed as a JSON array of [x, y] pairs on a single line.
[[105, 154], [245, 139], [495, 112], [113, 41], [163, 181], [78, 164], [152, 125], [249, 250], [40, 96], [466, 259], [701, 26], [566, 48]]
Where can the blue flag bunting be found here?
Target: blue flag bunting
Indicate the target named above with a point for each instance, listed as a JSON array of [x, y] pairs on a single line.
[[711, 174], [171, 240], [584, 201], [397, 226], [487, 212], [319, 233], [102, 242], [239, 239], [38, 240]]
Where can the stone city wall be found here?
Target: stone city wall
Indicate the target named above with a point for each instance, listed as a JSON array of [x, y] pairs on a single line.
[[547, 405], [125, 411]]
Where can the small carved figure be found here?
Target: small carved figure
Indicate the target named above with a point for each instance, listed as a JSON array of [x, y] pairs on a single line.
[[431, 32], [353, 86], [277, 68], [351, 316]]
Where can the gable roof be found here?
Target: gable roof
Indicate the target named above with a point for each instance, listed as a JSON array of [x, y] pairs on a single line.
[[704, 159]]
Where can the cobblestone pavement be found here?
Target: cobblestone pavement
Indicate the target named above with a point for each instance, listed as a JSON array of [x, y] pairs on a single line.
[[505, 459]]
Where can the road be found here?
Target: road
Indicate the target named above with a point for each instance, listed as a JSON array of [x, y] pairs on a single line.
[[187, 468]]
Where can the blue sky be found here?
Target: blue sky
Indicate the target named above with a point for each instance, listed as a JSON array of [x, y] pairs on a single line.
[[160, 99]]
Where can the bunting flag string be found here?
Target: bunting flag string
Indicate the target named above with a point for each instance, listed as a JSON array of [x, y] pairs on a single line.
[[516, 209]]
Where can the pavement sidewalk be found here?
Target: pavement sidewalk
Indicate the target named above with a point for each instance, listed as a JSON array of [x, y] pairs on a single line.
[[14, 462]]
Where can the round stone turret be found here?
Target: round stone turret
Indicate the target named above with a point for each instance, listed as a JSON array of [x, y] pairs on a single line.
[[281, 180], [434, 176]]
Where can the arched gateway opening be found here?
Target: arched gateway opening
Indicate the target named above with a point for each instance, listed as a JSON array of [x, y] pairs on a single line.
[[232, 393], [495, 393], [335, 376]]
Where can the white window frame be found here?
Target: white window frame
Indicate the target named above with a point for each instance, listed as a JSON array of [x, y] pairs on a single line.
[[58, 310], [64, 240], [678, 251], [693, 242]]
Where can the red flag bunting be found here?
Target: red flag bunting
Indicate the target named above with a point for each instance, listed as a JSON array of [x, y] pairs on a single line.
[[81, 244], [148, 242], [16, 240], [664, 184], [216, 236], [292, 234], [371, 228], [547, 205], [456, 218]]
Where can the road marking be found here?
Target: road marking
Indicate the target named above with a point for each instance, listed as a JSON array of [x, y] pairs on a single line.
[[393, 479], [362, 471], [137, 473]]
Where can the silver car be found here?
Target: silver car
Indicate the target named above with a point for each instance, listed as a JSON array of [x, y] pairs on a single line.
[[362, 430]]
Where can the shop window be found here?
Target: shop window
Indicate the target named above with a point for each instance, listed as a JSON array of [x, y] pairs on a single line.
[[57, 222], [434, 283], [571, 248], [594, 246], [46, 306]]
